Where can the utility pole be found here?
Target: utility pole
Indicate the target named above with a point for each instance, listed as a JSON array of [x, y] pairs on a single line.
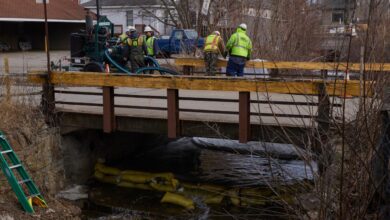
[[97, 30], [48, 89]]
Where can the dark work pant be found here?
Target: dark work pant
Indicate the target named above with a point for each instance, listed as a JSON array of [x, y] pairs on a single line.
[[235, 66], [149, 63], [210, 60], [136, 62]]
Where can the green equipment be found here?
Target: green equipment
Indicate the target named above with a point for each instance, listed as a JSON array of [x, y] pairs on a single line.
[[24, 187]]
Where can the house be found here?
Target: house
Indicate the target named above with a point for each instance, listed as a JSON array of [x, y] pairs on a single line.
[[23, 21], [138, 13], [336, 19]]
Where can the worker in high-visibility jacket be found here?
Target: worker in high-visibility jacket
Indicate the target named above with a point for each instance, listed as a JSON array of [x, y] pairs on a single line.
[[150, 43], [213, 47], [124, 47], [239, 47], [150, 46], [122, 39], [136, 53]]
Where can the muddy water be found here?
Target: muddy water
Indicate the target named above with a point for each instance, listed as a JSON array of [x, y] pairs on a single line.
[[190, 163], [110, 202]]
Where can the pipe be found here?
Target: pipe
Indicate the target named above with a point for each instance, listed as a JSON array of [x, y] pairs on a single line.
[[154, 61], [160, 69], [116, 64]]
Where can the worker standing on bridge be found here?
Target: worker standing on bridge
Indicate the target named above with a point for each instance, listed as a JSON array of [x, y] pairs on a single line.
[[122, 42], [122, 39], [136, 53], [213, 46], [240, 48], [150, 46]]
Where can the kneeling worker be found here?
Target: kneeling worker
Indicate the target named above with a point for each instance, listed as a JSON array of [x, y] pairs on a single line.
[[240, 48], [213, 46]]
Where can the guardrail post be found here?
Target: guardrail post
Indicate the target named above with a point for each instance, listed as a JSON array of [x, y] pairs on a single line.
[[323, 121], [244, 117], [323, 117], [7, 81], [173, 113], [380, 161], [109, 123]]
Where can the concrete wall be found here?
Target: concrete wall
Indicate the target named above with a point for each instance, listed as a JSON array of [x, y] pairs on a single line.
[[35, 33]]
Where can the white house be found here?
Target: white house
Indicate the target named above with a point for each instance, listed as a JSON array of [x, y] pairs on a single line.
[[138, 13]]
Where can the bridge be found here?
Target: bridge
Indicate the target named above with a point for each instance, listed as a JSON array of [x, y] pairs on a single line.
[[225, 107]]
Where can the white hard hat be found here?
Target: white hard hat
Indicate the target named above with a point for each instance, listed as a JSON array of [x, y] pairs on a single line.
[[131, 28], [217, 33], [243, 26], [148, 29]]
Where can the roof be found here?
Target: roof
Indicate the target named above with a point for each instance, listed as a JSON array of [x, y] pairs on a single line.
[[29, 10], [122, 3]]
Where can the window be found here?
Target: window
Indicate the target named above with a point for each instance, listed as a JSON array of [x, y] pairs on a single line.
[[179, 35], [118, 29], [130, 20], [191, 34], [337, 17]]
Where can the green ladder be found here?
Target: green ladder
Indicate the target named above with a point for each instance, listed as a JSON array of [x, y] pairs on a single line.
[[21, 183]]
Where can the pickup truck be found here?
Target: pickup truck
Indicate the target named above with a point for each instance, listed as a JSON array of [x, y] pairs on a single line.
[[181, 40]]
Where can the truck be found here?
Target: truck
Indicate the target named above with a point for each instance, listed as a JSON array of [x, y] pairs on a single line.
[[181, 40]]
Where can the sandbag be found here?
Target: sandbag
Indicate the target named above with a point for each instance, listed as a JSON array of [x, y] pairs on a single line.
[[134, 185], [107, 170], [178, 200], [136, 178], [213, 199], [163, 188]]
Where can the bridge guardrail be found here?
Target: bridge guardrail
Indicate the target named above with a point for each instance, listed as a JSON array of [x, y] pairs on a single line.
[[173, 84]]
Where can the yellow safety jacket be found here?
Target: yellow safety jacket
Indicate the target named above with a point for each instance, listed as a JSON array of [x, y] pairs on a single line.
[[123, 38], [211, 43], [136, 42], [149, 42], [239, 44]]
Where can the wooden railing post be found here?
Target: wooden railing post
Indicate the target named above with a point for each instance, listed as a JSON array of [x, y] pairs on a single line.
[[173, 113], [109, 123], [244, 117]]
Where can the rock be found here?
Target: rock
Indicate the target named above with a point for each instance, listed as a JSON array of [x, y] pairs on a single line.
[[6, 217], [48, 211]]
